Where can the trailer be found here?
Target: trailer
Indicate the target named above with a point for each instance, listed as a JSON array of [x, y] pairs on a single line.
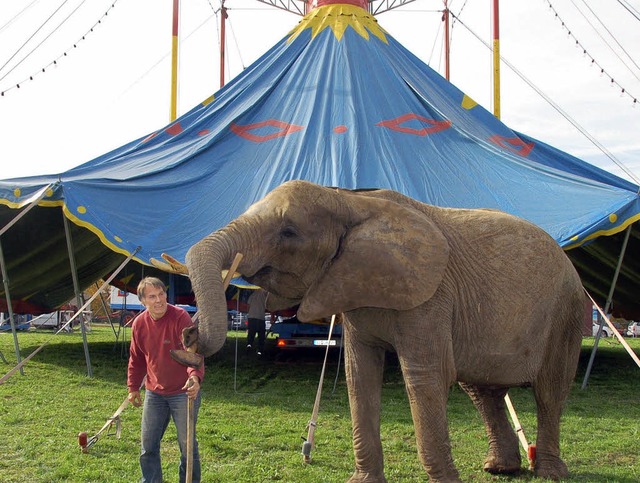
[[128, 305]]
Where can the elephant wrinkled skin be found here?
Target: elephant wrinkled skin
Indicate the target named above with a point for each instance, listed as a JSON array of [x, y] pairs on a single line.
[[475, 296]]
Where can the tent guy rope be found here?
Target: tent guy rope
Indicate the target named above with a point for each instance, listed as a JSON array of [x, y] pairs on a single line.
[[309, 442]]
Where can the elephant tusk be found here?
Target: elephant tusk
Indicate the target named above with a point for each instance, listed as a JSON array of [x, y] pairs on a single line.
[[177, 267]]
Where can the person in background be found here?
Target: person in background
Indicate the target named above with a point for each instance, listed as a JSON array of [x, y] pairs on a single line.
[[255, 318], [168, 384]]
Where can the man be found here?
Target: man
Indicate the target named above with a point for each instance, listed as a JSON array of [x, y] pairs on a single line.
[[255, 319], [155, 332]]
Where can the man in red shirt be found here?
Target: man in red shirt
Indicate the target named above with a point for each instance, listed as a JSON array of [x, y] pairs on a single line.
[[156, 332]]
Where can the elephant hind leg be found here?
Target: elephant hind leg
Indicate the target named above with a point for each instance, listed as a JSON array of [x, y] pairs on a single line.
[[551, 389], [503, 456], [548, 463]]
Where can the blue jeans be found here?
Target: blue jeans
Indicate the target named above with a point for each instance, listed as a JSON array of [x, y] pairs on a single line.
[[157, 411]]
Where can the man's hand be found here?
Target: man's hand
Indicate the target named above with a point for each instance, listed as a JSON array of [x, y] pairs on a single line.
[[135, 399], [192, 387]]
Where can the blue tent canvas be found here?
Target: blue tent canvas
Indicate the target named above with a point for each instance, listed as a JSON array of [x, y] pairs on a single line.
[[338, 102]]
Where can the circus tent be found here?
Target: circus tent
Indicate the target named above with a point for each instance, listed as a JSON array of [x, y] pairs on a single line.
[[338, 102]]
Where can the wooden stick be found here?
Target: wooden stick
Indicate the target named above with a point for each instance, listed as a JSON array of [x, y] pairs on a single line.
[[190, 438], [615, 332], [518, 428], [232, 270]]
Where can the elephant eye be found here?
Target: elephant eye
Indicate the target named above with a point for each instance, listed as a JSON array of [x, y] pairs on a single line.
[[288, 232]]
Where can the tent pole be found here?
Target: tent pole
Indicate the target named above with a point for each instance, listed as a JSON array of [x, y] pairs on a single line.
[[172, 289], [174, 60], [496, 58], [223, 40], [76, 287], [447, 72], [607, 306], [5, 281], [4, 378], [5, 277]]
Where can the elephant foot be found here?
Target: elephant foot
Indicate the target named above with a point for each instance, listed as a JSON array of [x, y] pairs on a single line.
[[552, 470], [187, 358], [362, 477], [503, 459], [498, 466]]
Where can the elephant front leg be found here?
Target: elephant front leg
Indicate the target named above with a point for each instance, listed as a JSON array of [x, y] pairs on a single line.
[[364, 369], [428, 387]]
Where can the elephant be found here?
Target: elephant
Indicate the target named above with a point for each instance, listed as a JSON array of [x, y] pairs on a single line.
[[474, 296]]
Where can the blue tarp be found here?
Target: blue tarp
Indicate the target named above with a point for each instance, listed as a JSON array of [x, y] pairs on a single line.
[[338, 102]]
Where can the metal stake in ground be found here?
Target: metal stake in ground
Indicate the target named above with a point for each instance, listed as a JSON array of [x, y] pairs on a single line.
[[85, 442]]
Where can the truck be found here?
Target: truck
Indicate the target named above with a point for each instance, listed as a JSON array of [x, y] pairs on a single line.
[[293, 334]]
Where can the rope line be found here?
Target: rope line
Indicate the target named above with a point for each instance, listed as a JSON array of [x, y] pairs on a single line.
[[64, 54], [32, 36], [630, 8], [17, 15], [563, 113], [605, 40]]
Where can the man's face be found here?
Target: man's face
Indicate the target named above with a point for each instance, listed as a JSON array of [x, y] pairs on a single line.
[[155, 300]]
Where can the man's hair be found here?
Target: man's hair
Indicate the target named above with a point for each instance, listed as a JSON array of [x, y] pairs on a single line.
[[153, 281]]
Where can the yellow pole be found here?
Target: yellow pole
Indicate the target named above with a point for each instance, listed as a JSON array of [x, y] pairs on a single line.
[[496, 59], [223, 40], [447, 48], [174, 61]]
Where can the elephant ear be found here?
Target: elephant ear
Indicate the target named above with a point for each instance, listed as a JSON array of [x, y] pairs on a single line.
[[392, 256]]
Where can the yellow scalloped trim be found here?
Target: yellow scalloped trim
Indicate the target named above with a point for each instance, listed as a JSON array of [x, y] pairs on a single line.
[[338, 18]]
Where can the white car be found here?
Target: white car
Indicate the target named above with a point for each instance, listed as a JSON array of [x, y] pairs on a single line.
[[606, 330], [634, 329]]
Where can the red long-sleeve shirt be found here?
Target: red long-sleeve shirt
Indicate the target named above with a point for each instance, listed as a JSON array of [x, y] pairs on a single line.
[[151, 341]]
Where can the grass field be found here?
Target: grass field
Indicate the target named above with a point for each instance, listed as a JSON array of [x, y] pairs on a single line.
[[255, 412]]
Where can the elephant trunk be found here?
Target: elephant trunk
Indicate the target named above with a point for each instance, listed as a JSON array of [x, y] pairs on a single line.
[[205, 261]]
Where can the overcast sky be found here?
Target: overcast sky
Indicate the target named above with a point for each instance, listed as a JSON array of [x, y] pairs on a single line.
[[110, 83]]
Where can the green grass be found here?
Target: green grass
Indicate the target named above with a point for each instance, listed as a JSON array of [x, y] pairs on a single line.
[[254, 414]]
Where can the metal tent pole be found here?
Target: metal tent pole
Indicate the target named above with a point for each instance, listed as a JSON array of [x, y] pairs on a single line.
[[447, 49], [5, 277], [4, 378], [496, 58], [223, 40], [175, 25], [76, 287], [5, 281], [607, 306]]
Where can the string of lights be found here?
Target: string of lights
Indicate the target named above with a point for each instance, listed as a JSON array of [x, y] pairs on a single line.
[[620, 46], [55, 62], [612, 81]]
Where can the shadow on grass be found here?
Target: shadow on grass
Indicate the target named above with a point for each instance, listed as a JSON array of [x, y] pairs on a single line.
[[234, 371]]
